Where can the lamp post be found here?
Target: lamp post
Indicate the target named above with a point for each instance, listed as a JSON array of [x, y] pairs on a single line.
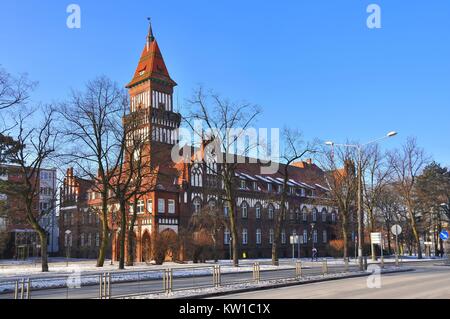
[[312, 240], [360, 148]]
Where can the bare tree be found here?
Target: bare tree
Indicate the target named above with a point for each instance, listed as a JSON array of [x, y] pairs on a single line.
[[37, 146], [340, 176], [226, 123], [90, 120], [376, 177], [407, 164], [294, 149], [14, 90]]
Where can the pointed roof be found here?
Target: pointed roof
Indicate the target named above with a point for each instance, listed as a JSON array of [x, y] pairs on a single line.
[[151, 64]]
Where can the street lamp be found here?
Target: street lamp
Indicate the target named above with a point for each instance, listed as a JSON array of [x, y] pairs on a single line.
[[360, 148], [312, 240]]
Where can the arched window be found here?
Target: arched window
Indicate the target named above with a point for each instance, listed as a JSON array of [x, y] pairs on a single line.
[[305, 236], [283, 236], [244, 210], [82, 240], [270, 211], [197, 205], [314, 215], [258, 211], [333, 217], [324, 215], [315, 236], [297, 214], [196, 175], [324, 237], [305, 214], [258, 236]]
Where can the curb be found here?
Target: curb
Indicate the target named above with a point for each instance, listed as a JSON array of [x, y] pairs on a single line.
[[289, 284]]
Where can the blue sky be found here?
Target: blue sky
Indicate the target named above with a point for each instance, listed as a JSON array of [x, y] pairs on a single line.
[[309, 64]]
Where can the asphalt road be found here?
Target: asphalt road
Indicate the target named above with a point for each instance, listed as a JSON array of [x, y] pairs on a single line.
[[186, 283], [426, 282]]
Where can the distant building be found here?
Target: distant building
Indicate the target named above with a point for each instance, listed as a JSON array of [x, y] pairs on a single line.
[[79, 226], [21, 240]]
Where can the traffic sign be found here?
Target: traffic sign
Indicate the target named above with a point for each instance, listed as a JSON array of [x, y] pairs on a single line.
[[294, 239], [396, 230], [375, 238], [444, 235]]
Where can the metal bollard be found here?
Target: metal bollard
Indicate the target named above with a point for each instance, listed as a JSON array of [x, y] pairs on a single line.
[[346, 265], [298, 270], [29, 288], [324, 267], [104, 286], [109, 286], [382, 262], [216, 276], [22, 288], [168, 281], [16, 290], [256, 274], [365, 262], [100, 282]]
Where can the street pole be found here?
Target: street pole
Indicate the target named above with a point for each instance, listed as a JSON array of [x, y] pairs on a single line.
[[396, 250], [231, 256], [359, 213], [298, 247]]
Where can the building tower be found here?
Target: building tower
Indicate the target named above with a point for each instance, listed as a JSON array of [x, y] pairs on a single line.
[[151, 94]]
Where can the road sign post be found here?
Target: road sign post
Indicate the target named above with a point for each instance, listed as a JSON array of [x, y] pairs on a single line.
[[396, 230], [444, 236]]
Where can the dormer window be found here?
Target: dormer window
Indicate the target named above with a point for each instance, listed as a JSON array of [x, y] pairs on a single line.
[[269, 187], [242, 184], [141, 73]]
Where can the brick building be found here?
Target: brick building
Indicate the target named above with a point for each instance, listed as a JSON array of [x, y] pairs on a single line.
[[20, 240], [79, 225], [182, 188]]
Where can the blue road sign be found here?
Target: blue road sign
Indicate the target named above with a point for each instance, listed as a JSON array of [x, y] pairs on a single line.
[[444, 235]]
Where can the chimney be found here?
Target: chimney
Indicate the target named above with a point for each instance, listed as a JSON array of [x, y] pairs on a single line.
[[309, 161]]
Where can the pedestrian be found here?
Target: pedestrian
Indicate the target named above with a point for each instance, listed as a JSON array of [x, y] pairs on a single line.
[[314, 254]]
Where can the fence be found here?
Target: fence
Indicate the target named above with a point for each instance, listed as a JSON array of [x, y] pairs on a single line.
[[120, 284]]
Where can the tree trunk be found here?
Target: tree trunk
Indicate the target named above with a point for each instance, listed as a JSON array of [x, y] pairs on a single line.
[[44, 248], [122, 235], [105, 231], [345, 240]]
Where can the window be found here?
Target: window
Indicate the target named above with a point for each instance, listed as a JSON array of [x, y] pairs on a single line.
[[258, 236], [324, 215], [255, 186], [283, 236], [244, 209], [197, 205], [82, 240], [97, 240], [315, 236], [150, 206], [226, 210], [270, 212], [314, 215], [297, 214], [242, 184], [269, 187], [305, 214], [244, 236], [171, 206], [291, 215], [226, 237], [333, 217], [305, 236], [140, 207], [161, 205], [270, 236], [258, 212], [303, 192], [324, 236]]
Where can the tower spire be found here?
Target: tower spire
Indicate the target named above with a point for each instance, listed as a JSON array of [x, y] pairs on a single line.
[[150, 36]]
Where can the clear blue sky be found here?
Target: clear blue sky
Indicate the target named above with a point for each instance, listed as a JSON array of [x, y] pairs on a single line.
[[310, 64]]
